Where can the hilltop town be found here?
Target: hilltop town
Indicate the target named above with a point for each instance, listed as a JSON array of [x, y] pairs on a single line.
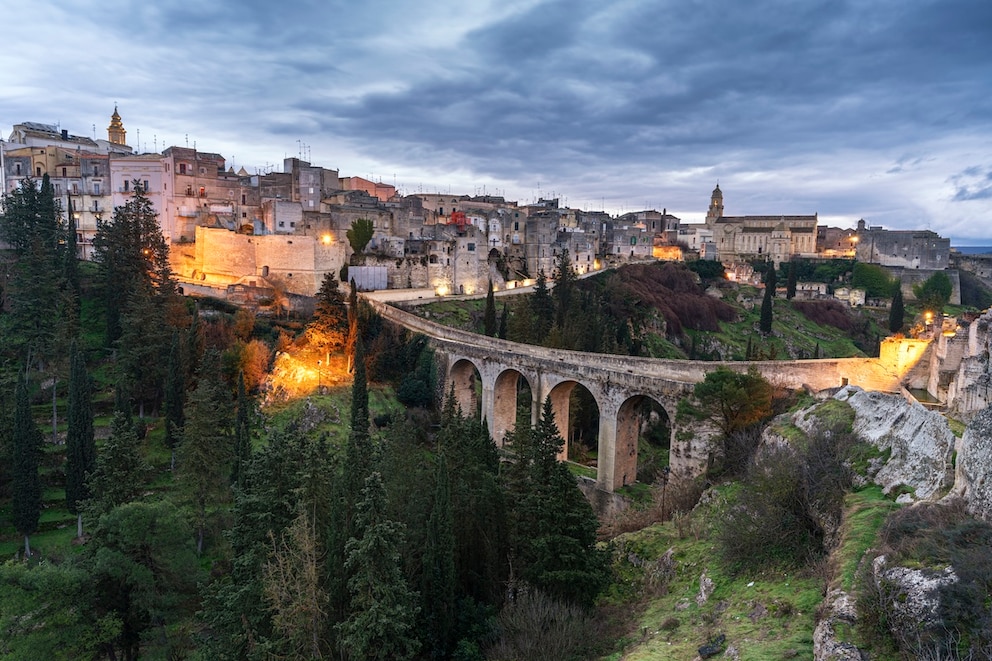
[[241, 236]]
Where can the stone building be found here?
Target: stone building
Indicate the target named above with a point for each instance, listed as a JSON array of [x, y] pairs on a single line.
[[774, 237], [910, 249]]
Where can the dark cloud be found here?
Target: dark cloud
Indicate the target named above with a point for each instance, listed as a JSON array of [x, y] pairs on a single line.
[[848, 108]]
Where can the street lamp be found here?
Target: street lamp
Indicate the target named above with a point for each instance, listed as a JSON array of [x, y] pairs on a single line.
[[319, 385], [928, 317]]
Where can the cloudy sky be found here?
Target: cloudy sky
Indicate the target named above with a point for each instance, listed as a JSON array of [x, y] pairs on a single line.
[[880, 109]]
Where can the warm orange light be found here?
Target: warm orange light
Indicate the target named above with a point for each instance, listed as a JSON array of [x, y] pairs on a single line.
[[326, 239]]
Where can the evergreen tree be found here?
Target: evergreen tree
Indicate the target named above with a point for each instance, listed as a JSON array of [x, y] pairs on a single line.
[[564, 278], [553, 527], [244, 412], [542, 309], [479, 517], [765, 323], [80, 450], [175, 398], [503, 320], [31, 225], [382, 612], [438, 578], [204, 456], [897, 312], [120, 470], [26, 497], [790, 283], [489, 318], [328, 330], [72, 294]]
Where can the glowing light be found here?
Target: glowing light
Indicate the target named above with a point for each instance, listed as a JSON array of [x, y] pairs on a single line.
[[441, 290], [326, 239]]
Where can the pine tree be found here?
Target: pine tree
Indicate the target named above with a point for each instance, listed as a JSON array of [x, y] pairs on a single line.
[[26, 497], [489, 318], [438, 578], [897, 312], [175, 398], [80, 447], [382, 611]]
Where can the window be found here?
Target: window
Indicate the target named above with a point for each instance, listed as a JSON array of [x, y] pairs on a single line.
[[244, 214], [58, 189], [189, 191], [471, 247], [127, 185], [243, 198], [203, 170], [145, 186], [282, 224], [64, 172], [38, 171], [292, 225], [96, 205], [18, 168], [203, 191], [96, 187], [182, 168]]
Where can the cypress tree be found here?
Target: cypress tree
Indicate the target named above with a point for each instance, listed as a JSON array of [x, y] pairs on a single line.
[[438, 579], [765, 323], [897, 312], [26, 497], [489, 318], [790, 284], [80, 451], [175, 398], [242, 434], [542, 309], [504, 318], [383, 609]]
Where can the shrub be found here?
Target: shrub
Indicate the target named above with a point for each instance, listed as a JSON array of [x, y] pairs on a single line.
[[826, 313], [535, 626]]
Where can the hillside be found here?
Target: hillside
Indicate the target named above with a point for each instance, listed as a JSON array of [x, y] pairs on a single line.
[[663, 310]]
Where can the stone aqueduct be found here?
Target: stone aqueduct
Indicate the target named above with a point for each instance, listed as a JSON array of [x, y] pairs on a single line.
[[618, 384]]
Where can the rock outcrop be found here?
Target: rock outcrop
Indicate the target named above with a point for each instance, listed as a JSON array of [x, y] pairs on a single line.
[[920, 442], [973, 475]]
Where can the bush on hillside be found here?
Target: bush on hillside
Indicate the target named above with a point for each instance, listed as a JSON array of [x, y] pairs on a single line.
[[826, 313]]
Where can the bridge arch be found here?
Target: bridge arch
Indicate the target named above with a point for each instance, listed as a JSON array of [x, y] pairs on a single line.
[[562, 395], [643, 425], [466, 381], [503, 416]]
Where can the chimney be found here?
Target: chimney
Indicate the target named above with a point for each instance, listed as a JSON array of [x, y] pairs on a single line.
[[65, 134]]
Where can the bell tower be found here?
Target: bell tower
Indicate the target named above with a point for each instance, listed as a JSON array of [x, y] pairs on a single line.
[[716, 206], [115, 132]]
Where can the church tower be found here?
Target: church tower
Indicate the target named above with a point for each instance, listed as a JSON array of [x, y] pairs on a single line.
[[115, 132], [716, 206]]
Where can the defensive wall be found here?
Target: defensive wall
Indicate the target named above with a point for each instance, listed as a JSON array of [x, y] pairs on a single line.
[[484, 373]]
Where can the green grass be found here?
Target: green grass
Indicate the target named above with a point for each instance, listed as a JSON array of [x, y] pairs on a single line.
[[580, 470], [767, 615], [864, 513]]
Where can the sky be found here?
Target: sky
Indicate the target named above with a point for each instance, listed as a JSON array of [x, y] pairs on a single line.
[[874, 109]]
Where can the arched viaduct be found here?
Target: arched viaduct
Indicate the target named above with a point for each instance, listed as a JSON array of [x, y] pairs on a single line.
[[617, 383]]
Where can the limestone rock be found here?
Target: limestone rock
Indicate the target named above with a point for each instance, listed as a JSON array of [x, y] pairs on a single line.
[[920, 442], [705, 588], [838, 608], [914, 594], [973, 480]]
